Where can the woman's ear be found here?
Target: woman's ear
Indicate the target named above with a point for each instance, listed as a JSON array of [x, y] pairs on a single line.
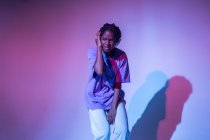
[[117, 43]]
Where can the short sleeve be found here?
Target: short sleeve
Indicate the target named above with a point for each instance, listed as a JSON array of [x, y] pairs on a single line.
[[91, 60], [123, 74]]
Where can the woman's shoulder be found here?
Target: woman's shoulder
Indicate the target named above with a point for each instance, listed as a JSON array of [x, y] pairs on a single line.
[[119, 54], [92, 51], [120, 51]]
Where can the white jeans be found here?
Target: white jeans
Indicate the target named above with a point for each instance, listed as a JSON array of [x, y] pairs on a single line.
[[101, 128]]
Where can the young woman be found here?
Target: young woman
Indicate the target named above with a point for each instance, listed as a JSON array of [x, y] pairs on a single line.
[[108, 68]]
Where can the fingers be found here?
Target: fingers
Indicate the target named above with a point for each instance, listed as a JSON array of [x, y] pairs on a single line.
[[110, 118], [97, 38], [98, 33]]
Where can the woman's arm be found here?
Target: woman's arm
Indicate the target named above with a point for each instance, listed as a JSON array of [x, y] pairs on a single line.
[[113, 111], [99, 63]]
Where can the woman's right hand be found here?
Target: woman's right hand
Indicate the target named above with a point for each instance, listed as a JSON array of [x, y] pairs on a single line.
[[98, 39]]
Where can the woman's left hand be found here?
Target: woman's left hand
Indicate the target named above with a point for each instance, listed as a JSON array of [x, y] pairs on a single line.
[[111, 115]]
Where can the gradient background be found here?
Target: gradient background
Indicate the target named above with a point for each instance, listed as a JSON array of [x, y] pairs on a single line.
[[43, 67]]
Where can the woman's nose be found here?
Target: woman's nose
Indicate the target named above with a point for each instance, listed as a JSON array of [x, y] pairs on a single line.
[[108, 42]]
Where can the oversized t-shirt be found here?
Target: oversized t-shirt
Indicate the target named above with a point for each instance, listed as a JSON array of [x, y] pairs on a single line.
[[99, 93]]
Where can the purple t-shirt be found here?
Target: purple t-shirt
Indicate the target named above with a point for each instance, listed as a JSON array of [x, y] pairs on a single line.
[[99, 93]]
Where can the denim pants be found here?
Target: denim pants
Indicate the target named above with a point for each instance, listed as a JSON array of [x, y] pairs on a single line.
[[101, 128]]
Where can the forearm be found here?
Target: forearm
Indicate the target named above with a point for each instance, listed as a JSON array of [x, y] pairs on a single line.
[[98, 66], [116, 98]]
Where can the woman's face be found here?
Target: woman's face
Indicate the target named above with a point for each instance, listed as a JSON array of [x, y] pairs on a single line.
[[108, 41]]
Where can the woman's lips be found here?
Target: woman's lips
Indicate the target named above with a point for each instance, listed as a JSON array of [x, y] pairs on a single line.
[[107, 48]]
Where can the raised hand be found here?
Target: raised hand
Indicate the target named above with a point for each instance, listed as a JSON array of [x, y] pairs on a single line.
[[98, 39]]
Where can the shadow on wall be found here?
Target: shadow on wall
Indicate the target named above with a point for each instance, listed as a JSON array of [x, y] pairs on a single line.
[[163, 113]]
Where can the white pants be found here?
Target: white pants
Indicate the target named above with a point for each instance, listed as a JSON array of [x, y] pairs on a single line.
[[101, 128]]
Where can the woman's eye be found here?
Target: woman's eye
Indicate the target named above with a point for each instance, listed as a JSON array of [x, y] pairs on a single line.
[[104, 39]]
